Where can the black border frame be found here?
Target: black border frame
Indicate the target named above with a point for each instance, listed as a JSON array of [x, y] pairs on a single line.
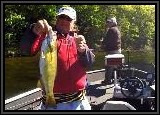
[[156, 3]]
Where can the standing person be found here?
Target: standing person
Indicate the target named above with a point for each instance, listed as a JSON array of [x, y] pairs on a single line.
[[112, 45], [70, 80]]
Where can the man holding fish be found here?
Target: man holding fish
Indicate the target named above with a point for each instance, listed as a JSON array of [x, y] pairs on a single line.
[[62, 70]]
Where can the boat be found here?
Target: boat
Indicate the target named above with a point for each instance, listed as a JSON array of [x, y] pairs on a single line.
[[132, 89]]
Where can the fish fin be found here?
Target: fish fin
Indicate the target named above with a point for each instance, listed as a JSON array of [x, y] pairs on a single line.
[[39, 84]]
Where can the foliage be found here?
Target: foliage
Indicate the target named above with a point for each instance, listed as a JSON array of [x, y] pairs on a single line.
[[136, 22]]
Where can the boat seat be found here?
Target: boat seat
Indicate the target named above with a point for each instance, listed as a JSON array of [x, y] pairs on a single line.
[[118, 105]]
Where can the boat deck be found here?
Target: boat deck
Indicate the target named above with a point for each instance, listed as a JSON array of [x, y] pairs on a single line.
[[97, 93]]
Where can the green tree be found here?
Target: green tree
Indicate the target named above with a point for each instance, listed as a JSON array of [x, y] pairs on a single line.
[[136, 22]]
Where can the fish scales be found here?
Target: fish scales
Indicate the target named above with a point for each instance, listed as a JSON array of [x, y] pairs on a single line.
[[48, 66]]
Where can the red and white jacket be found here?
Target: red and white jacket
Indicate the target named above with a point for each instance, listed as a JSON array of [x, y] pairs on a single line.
[[71, 73]]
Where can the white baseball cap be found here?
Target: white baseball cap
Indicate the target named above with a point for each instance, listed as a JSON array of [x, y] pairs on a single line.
[[69, 11], [113, 20]]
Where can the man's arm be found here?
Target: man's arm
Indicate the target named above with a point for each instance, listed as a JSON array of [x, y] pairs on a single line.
[[33, 37], [27, 40], [86, 55]]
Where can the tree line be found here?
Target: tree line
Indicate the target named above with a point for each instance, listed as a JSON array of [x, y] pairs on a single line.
[[136, 23]]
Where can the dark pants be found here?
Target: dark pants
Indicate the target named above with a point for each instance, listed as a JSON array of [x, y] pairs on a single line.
[[109, 74]]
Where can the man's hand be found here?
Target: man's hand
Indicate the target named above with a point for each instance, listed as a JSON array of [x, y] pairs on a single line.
[[81, 47], [81, 43], [41, 27]]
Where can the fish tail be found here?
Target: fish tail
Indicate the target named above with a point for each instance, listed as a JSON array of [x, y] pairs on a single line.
[[50, 100]]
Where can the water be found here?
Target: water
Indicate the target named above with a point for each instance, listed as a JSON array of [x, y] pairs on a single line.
[[20, 75]]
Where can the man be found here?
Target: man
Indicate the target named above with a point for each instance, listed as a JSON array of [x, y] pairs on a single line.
[[70, 81], [112, 45]]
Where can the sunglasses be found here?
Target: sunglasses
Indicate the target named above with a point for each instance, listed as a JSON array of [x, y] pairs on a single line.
[[64, 17]]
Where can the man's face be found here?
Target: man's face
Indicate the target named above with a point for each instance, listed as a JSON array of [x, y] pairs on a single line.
[[64, 23]]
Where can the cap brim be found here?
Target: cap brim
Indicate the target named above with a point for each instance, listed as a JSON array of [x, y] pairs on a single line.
[[108, 21], [64, 14]]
